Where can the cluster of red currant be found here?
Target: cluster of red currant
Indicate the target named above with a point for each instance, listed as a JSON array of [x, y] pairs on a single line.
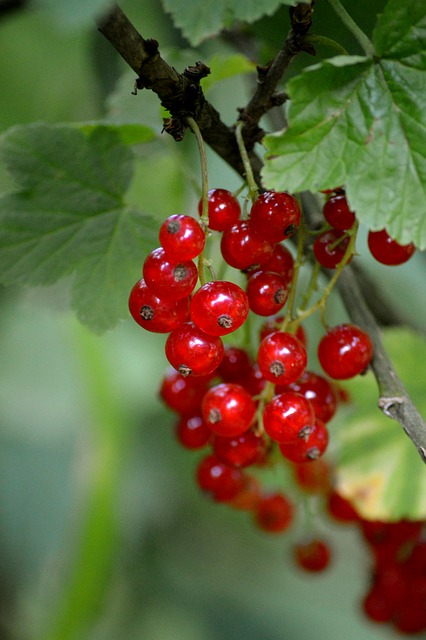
[[259, 407]]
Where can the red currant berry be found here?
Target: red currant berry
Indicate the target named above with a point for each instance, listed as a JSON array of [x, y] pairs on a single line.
[[337, 213], [193, 352], [273, 324], [253, 380], [274, 513], [281, 357], [288, 417], [181, 237], [376, 606], [330, 248], [275, 215], [241, 248], [314, 477], [281, 262], [318, 390], [181, 394], [153, 314], [192, 433], [219, 307], [224, 209], [235, 364], [267, 292], [248, 498], [221, 481], [345, 351], [340, 509], [240, 451], [388, 251], [228, 409], [313, 555], [309, 448], [167, 278]]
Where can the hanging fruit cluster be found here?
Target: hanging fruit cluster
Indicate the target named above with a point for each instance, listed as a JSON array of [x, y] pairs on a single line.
[[256, 403]]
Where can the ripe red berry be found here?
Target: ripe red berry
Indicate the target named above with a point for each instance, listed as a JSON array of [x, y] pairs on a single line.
[[345, 351], [192, 432], [388, 251], [240, 451], [318, 390], [288, 417], [169, 279], [337, 213], [275, 216], [273, 324], [340, 509], [181, 237], [274, 513], [153, 314], [193, 352], [314, 477], [181, 394], [235, 364], [228, 409], [220, 480], [310, 447], [330, 248], [224, 209], [267, 292], [219, 307], [281, 357], [312, 555], [241, 248], [281, 262]]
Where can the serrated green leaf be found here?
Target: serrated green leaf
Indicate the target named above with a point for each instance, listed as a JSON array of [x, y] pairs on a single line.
[[200, 20], [362, 123], [77, 13], [378, 467], [70, 216]]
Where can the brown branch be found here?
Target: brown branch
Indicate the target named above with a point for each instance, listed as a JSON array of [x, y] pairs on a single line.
[[179, 93], [394, 400], [265, 96]]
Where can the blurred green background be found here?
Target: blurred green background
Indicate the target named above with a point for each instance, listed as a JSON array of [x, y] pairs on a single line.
[[103, 534]]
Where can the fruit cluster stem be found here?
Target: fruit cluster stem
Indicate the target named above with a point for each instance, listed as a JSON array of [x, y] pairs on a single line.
[[251, 182]]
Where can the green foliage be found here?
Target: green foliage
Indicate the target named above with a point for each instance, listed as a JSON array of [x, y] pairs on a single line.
[[201, 20], [362, 122], [377, 466], [69, 215]]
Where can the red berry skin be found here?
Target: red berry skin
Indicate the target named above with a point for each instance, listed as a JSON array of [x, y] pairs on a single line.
[[228, 409], [169, 279], [282, 358], [242, 249], [219, 307], [153, 314], [340, 509], [337, 213], [388, 251], [221, 481], [273, 324], [267, 293], [288, 417], [315, 477], [309, 448], [330, 248], [318, 390], [235, 364], [313, 555], [224, 209], [281, 262], [193, 352], [192, 433], [274, 513], [345, 351], [183, 395], [182, 237], [240, 451], [275, 216]]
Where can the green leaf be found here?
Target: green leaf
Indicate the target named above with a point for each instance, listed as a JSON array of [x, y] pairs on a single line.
[[129, 133], [200, 20], [225, 66], [69, 216], [362, 122], [378, 467]]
